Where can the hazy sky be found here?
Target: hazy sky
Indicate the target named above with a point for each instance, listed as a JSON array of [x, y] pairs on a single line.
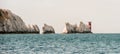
[[104, 14]]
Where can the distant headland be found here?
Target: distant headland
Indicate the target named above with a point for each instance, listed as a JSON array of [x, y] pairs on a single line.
[[12, 23]]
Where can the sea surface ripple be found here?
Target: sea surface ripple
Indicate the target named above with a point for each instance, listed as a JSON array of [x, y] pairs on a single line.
[[59, 43]]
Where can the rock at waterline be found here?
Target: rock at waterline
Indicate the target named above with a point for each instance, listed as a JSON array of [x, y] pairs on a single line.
[[82, 28], [12, 23], [48, 29], [70, 28]]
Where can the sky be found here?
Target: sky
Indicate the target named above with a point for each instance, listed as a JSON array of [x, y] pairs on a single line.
[[104, 14]]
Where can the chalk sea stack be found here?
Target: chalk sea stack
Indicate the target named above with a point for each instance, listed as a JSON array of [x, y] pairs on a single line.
[[70, 28], [12, 23], [47, 29], [82, 28]]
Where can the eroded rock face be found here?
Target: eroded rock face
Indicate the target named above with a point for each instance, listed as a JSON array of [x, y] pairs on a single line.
[[82, 28], [33, 28], [11, 23], [48, 29], [71, 28]]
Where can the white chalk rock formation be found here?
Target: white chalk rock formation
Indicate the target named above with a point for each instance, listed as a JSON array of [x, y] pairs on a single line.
[[48, 29], [70, 28], [33, 28], [11, 23], [82, 28]]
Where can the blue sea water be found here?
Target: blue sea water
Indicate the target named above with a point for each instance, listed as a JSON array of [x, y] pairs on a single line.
[[59, 43]]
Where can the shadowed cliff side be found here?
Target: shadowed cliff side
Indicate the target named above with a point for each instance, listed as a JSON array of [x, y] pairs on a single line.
[[47, 29], [11, 23]]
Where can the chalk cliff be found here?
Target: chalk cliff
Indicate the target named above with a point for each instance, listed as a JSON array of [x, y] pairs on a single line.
[[12, 23], [48, 29]]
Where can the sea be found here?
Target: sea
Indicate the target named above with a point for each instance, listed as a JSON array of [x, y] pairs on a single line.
[[60, 43]]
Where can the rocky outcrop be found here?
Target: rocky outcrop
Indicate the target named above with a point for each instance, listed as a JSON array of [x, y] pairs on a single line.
[[12, 23], [48, 29], [33, 28], [71, 28], [82, 28]]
